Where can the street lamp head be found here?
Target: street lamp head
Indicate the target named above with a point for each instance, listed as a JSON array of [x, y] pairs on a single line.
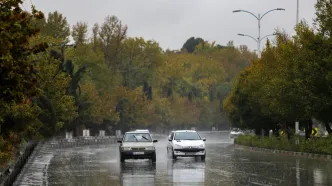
[[235, 11], [240, 34], [281, 9]]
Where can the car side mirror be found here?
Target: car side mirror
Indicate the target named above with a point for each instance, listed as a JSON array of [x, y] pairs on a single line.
[[204, 139], [155, 141], [119, 141], [169, 139]]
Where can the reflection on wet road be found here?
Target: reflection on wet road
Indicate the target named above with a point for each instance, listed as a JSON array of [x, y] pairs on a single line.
[[144, 174], [223, 166]]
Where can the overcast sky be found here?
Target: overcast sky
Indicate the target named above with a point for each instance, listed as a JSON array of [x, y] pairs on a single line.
[[172, 22]]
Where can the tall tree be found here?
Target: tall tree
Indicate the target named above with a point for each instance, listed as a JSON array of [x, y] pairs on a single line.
[[56, 26], [79, 32], [139, 61], [111, 34], [18, 73], [191, 44], [95, 39], [324, 17], [230, 44], [58, 107]]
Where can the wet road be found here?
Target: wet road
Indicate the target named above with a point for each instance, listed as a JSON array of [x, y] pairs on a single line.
[[224, 165]]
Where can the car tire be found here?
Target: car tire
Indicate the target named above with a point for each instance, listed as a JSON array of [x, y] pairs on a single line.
[[203, 157], [154, 158], [122, 159], [173, 155]]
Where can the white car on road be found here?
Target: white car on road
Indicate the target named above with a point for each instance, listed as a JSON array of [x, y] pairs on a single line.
[[235, 133], [186, 143]]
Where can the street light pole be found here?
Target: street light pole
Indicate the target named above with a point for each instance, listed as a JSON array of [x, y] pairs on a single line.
[[297, 12], [249, 36], [258, 40], [259, 36], [259, 18]]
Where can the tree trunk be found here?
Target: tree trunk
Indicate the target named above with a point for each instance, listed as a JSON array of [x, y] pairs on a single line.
[[267, 132], [308, 129], [53, 117], [258, 132], [289, 133], [328, 128], [276, 131]]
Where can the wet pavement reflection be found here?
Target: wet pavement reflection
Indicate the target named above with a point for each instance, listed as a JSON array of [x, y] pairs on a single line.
[[144, 174], [224, 165]]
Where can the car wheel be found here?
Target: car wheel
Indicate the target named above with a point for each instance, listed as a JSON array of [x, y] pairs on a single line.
[[153, 159], [173, 155], [203, 158], [122, 159]]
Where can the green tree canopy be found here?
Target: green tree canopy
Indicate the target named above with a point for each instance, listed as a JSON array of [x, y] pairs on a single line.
[[191, 44], [79, 33], [56, 26]]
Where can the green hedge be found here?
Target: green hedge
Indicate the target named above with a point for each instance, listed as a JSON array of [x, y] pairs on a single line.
[[314, 145]]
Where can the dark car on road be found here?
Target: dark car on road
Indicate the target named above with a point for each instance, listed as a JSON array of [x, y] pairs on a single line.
[[137, 145]]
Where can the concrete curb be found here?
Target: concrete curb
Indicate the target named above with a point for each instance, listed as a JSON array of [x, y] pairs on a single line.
[[287, 153]]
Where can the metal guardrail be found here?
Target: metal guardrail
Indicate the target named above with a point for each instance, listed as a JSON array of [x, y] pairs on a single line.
[[9, 175], [58, 142], [82, 141]]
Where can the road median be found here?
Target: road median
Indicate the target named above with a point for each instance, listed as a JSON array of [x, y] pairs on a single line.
[[313, 148]]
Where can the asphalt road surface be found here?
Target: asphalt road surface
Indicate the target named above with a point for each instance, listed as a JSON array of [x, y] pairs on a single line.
[[224, 165]]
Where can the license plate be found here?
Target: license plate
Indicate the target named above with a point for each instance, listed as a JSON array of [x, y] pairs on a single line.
[[190, 153], [138, 153]]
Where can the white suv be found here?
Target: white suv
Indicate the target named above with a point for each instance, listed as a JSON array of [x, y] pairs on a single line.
[[186, 143]]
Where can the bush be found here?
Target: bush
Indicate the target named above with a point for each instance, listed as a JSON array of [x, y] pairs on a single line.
[[5, 154], [317, 145], [313, 145], [8, 148]]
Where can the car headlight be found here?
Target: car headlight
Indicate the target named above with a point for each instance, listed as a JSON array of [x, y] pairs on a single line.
[[178, 146], [149, 148], [125, 148], [201, 146]]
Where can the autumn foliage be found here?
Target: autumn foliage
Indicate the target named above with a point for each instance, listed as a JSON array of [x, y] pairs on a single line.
[[290, 82], [105, 81]]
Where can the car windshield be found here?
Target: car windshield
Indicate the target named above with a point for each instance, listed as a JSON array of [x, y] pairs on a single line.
[[187, 136], [137, 137]]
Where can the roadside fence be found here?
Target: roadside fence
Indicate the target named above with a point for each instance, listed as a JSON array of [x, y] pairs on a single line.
[[9, 176], [82, 141]]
